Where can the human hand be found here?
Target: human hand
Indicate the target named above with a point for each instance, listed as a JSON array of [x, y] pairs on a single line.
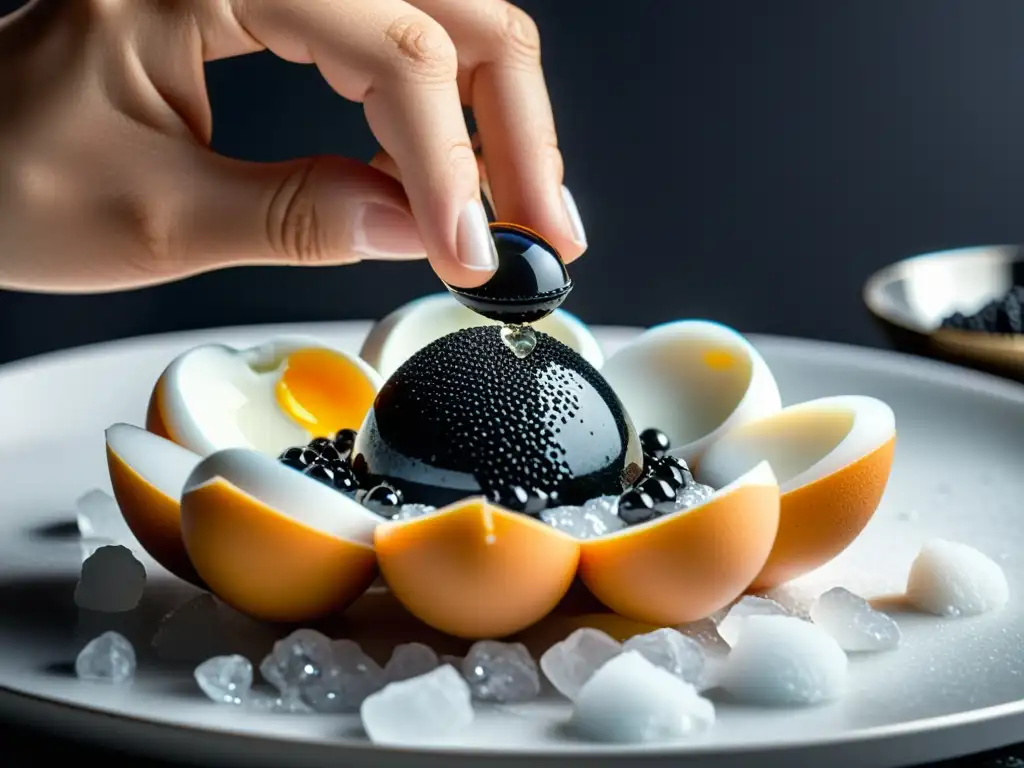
[[107, 180]]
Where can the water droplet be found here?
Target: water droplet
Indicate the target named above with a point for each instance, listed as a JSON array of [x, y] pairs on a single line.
[[521, 339]]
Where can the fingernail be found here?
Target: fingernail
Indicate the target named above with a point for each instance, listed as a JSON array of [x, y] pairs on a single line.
[[473, 241], [384, 231], [579, 234]]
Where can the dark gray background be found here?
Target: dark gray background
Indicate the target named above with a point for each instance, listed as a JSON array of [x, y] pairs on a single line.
[[744, 160]]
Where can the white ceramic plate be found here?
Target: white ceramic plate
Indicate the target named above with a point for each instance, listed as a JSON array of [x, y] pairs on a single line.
[[955, 687]]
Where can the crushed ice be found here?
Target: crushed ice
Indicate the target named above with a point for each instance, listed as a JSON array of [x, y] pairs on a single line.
[[630, 700], [854, 624], [955, 580], [672, 651], [225, 679], [595, 518], [99, 517], [109, 658], [410, 660], [501, 672], [783, 661], [570, 663], [747, 606], [112, 581], [420, 709]]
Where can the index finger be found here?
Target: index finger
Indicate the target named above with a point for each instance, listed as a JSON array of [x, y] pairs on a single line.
[[402, 66], [499, 50]]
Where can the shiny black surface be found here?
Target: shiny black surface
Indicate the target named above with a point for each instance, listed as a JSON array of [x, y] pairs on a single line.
[[530, 283], [464, 416]]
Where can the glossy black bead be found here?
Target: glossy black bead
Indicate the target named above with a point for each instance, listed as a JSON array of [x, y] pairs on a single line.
[[328, 453], [513, 497], [635, 506], [654, 442], [463, 417], [293, 464], [318, 442], [681, 465], [344, 477], [321, 473], [530, 283], [657, 489], [344, 441], [537, 503], [383, 496], [670, 473], [291, 454]]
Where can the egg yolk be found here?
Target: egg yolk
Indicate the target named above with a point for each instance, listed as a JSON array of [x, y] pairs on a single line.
[[719, 359], [323, 391]]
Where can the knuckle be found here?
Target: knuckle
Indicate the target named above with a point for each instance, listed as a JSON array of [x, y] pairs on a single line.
[[293, 223], [462, 160], [520, 37], [422, 49]]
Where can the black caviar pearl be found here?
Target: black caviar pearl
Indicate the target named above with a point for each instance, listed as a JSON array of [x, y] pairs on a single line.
[[317, 443], [537, 503], [383, 496], [636, 506], [344, 477], [344, 441], [321, 473], [513, 497], [328, 453], [657, 489], [681, 465], [292, 458], [670, 473], [654, 442], [530, 283]]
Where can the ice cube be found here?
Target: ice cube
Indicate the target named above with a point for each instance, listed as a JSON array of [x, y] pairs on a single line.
[[349, 679], [691, 495], [595, 518], [952, 579], [108, 658], [501, 672], [296, 662], [410, 660], [672, 651], [570, 663], [225, 679], [784, 661], [855, 625], [99, 517], [747, 606], [418, 710], [629, 700], [112, 581], [411, 511], [705, 633]]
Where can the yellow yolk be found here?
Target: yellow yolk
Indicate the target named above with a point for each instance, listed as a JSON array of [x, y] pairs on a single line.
[[719, 359], [323, 392]]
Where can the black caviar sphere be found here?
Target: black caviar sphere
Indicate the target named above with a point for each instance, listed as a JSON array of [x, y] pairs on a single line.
[[636, 506], [465, 416], [654, 442], [530, 283]]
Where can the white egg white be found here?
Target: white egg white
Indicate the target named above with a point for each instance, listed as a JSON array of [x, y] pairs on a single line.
[[161, 463], [288, 492], [412, 326], [803, 442], [665, 382], [218, 397]]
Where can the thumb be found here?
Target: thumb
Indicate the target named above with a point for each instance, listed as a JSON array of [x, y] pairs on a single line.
[[315, 211]]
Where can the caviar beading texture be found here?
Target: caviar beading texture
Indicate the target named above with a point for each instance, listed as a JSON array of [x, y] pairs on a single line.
[[1004, 315], [464, 415]]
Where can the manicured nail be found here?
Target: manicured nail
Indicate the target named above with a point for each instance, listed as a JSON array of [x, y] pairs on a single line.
[[473, 241], [579, 234], [382, 231]]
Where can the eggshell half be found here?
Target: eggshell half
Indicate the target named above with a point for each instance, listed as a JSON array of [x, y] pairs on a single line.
[[833, 457], [694, 380], [475, 570], [148, 473], [214, 397], [273, 543], [687, 565], [412, 326]]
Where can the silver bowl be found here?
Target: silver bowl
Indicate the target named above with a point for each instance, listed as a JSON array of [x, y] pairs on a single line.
[[910, 299]]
